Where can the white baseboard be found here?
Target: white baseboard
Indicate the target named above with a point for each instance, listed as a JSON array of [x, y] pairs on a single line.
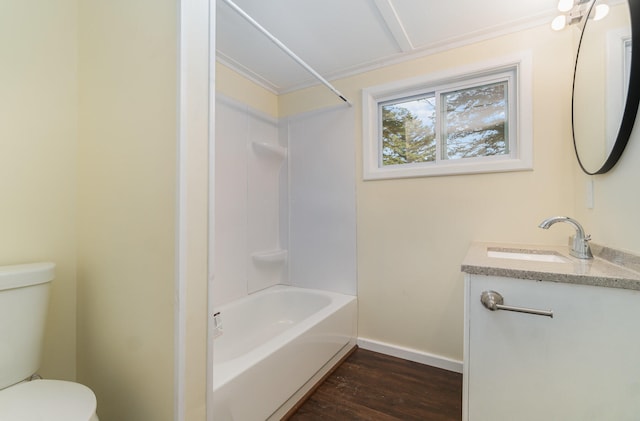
[[411, 354]]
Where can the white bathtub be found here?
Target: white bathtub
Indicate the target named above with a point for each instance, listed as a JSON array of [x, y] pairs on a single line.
[[276, 344]]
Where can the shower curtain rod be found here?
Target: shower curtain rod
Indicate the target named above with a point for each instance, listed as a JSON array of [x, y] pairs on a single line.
[[284, 48]]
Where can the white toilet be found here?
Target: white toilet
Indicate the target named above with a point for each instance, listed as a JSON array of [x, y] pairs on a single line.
[[24, 295]]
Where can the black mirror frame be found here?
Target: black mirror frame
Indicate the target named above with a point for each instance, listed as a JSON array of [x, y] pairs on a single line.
[[633, 93]]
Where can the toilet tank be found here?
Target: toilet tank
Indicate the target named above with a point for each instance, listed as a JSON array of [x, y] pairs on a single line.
[[24, 296]]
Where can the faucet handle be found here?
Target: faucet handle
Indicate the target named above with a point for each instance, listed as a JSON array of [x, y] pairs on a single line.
[[581, 247]]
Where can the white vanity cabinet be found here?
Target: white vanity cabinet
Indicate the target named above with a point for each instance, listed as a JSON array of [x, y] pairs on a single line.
[[581, 364]]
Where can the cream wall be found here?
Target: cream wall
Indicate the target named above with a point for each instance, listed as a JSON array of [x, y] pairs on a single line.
[[38, 136], [414, 233], [89, 136], [232, 85], [128, 108]]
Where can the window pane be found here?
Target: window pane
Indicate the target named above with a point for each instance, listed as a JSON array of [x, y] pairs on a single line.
[[475, 122], [408, 131]]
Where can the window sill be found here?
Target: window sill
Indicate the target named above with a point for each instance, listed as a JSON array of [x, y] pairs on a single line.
[[457, 168]]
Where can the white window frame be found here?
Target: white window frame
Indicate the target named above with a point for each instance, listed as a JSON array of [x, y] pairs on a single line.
[[516, 69]]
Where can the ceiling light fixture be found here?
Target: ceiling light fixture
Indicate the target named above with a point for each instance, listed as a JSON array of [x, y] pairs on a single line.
[[572, 12], [602, 10], [565, 5]]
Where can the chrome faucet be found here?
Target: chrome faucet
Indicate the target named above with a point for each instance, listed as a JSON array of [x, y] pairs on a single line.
[[580, 248]]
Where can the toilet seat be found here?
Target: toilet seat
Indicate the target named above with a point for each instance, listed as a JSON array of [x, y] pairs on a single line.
[[47, 400]]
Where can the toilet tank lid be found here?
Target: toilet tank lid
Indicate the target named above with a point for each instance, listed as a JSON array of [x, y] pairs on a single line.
[[17, 276], [50, 400]]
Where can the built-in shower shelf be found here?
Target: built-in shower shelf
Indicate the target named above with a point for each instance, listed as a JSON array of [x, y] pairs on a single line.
[[270, 256], [271, 151]]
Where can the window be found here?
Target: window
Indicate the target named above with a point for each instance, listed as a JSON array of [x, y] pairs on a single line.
[[471, 120]]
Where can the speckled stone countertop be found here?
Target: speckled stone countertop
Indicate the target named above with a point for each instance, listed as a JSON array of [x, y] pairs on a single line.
[[609, 268]]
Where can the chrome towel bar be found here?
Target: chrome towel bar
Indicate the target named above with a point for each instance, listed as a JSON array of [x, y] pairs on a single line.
[[494, 301]]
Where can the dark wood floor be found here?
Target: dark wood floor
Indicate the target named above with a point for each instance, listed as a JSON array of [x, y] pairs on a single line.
[[372, 386]]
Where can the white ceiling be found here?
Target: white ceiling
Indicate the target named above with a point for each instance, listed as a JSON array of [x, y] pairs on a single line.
[[342, 37]]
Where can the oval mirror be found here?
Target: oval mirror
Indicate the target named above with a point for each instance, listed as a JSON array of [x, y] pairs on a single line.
[[605, 91]]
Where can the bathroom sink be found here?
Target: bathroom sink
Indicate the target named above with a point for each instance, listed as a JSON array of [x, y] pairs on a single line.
[[528, 255]]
